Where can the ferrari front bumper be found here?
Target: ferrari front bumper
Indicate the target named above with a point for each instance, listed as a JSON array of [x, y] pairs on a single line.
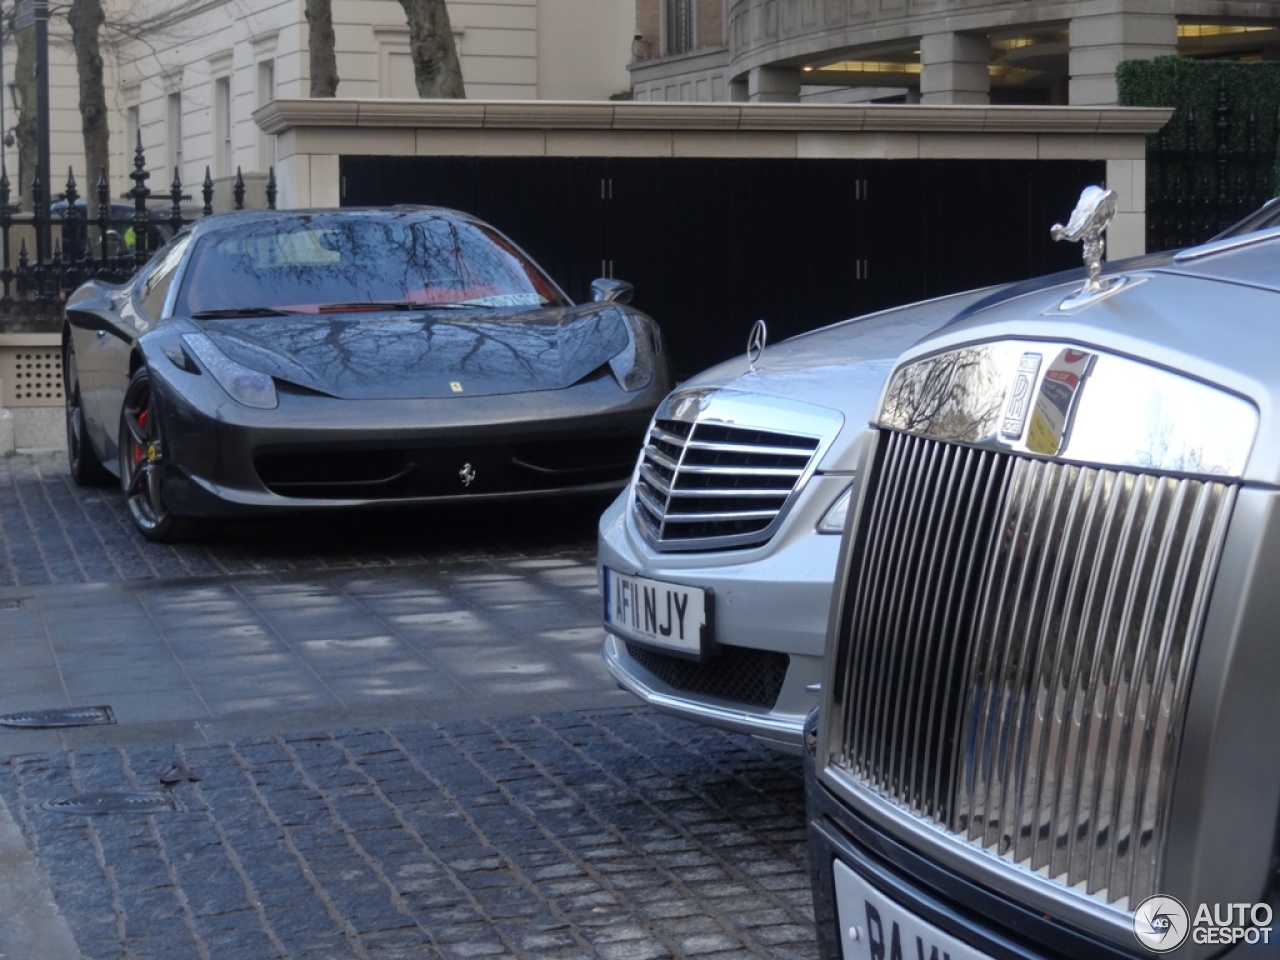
[[314, 452]]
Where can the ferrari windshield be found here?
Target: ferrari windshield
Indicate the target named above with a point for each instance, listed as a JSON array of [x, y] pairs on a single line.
[[322, 262]]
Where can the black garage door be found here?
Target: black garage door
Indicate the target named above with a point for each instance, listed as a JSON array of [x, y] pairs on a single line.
[[712, 245]]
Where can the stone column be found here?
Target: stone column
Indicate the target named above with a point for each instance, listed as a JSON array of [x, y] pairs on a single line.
[[7, 442], [773, 85], [1100, 43], [954, 68]]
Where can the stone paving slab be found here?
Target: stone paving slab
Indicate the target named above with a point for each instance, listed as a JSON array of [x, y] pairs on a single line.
[[212, 657]]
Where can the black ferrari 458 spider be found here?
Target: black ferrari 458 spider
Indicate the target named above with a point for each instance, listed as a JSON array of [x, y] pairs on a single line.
[[277, 360]]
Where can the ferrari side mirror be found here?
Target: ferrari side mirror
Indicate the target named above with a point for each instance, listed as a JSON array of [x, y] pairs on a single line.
[[606, 289], [83, 313]]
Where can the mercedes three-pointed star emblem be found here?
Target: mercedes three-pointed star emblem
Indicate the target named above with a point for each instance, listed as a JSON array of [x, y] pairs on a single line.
[[756, 342]]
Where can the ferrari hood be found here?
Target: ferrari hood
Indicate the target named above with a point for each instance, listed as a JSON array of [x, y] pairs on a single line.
[[444, 353]]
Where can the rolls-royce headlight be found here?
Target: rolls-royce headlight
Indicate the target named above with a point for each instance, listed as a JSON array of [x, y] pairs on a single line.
[[633, 366], [833, 520], [250, 387]]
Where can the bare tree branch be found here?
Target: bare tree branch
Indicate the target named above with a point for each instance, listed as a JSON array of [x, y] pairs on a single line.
[[86, 18], [320, 45], [437, 72], [24, 75]]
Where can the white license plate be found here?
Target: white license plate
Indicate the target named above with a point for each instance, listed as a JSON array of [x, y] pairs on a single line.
[[873, 926], [655, 612]]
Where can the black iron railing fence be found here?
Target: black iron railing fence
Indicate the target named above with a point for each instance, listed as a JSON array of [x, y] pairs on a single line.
[[1198, 185], [109, 245]]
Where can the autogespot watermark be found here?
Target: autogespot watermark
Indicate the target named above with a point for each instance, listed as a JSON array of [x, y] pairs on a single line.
[[1162, 923]]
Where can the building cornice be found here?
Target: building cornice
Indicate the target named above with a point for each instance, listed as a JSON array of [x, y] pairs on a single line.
[[280, 116]]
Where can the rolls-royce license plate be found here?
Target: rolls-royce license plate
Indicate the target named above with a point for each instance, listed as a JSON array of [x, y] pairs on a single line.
[[658, 613], [873, 926]]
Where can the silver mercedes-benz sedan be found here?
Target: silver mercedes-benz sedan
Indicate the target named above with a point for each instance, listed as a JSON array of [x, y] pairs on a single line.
[[716, 563]]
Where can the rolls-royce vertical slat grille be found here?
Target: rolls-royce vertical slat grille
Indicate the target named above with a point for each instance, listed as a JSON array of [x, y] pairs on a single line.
[[910, 747], [709, 484], [1015, 651]]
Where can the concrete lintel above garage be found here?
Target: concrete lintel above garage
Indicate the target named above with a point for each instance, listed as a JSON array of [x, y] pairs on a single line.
[[281, 116]]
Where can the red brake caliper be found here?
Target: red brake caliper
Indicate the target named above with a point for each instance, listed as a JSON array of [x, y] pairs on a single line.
[[138, 452]]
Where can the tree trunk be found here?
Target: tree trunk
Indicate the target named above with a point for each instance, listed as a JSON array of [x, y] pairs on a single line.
[[24, 74], [86, 19], [437, 72], [320, 44]]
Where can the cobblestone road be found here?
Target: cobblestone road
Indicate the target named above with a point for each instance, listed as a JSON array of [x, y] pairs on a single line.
[[612, 834], [602, 831]]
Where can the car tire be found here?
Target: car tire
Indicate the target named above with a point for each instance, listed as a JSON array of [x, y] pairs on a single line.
[[86, 469], [143, 471]]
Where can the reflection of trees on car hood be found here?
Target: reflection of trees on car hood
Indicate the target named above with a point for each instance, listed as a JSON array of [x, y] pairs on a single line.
[[445, 353]]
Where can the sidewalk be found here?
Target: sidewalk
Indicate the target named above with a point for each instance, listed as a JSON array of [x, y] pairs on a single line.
[[405, 747], [216, 657]]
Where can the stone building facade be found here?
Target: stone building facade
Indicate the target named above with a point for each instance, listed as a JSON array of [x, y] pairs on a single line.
[[187, 77], [1030, 52]]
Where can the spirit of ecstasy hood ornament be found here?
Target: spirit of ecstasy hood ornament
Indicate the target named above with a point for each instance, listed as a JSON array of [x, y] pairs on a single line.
[[1089, 220]]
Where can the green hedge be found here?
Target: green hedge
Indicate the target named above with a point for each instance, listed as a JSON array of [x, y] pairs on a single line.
[[1183, 82]]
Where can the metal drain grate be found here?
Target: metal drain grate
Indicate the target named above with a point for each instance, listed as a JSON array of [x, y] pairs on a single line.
[[93, 804], [71, 717]]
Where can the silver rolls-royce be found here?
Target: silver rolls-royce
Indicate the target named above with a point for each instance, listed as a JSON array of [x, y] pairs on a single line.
[[1052, 671]]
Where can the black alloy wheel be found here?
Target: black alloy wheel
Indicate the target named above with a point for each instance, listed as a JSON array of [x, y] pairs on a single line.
[[142, 466], [86, 469]]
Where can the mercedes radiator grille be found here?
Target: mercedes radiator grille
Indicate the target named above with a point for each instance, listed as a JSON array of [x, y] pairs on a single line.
[[1014, 652], [711, 485]]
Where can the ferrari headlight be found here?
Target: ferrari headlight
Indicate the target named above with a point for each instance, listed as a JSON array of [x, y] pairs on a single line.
[[833, 520], [633, 367], [250, 387]]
